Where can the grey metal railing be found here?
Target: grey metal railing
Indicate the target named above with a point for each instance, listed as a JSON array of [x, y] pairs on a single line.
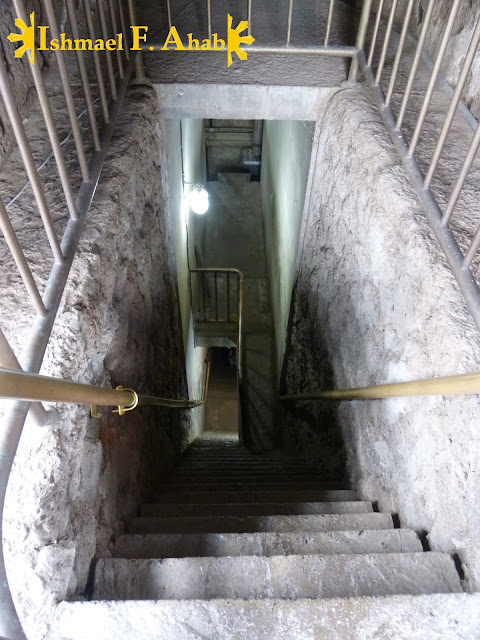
[[217, 300], [102, 80], [323, 47], [389, 33]]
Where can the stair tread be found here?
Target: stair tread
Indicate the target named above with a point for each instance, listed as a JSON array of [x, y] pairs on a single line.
[[179, 478], [435, 617], [287, 577], [253, 509], [251, 484], [266, 544], [232, 524], [255, 495]]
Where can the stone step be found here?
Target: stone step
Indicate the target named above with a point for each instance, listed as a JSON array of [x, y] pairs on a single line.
[[328, 576], [233, 475], [240, 476], [280, 524], [238, 453], [436, 617], [255, 495], [252, 509], [206, 467], [265, 544], [244, 486]]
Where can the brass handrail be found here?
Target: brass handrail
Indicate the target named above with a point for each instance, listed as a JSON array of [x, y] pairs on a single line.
[[31, 387], [463, 384]]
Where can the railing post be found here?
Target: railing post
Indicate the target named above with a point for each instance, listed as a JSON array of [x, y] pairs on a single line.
[[139, 68], [361, 36]]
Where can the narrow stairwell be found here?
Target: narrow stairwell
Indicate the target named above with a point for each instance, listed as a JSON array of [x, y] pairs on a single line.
[[232, 541]]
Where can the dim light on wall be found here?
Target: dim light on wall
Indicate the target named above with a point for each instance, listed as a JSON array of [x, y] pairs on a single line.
[[198, 199]]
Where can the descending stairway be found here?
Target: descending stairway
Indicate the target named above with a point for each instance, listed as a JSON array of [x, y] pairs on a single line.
[[242, 546]]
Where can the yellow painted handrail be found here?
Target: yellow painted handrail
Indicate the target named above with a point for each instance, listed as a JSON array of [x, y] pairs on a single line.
[[464, 384], [31, 387]]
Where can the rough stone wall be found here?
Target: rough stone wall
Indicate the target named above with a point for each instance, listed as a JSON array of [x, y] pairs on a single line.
[[74, 484], [375, 302]]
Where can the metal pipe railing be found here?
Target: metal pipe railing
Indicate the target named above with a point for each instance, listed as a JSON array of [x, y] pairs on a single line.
[[329, 23], [375, 31], [361, 38], [209, 18], [457, 95], [31, 387], [203, 272], [464, 384], [289, 22], [139, 68], [39, 82], [67, 91], [438, 216], [108, 54], [96, 62], [82, 69], [386, 41], [114, 25], [434, 77], [88, 170], [10, 237], [330, 51], [16, 121], [216, 320], [416, 61], [398, 56]]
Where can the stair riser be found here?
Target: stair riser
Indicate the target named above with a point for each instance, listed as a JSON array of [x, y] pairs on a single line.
[[266, 544], [257, 496], [243, 510], [348, 522], [208, 469], [232, 476], [276, 577], [244, 486], [432, 617]]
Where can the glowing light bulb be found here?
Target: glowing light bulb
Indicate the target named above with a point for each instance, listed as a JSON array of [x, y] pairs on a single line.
[[198, 199]]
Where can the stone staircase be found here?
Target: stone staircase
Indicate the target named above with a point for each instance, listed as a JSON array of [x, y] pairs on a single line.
[[242, 546]]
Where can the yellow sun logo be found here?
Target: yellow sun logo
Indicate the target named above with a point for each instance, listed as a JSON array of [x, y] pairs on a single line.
[[27, 36], [235, 39]]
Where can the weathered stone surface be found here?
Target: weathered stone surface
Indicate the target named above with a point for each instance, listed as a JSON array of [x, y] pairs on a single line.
[[265, 544], [436, 617], [72, 484], [290, 577], [254, 495], [226, 524], [375, 302], [253, 509]]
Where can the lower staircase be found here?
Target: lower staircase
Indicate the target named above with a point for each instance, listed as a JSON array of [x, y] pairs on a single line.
[[243, 546]]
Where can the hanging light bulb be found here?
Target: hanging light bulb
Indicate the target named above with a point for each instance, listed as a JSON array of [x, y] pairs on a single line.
[[198, 199]]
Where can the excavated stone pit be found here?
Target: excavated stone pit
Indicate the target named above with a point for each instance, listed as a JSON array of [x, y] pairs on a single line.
[[373, 302]]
